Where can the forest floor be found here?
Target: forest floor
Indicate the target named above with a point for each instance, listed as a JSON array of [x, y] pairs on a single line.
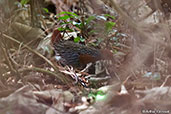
[[136, 80]]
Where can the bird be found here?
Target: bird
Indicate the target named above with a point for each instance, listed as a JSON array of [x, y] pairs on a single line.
[[75, 54]]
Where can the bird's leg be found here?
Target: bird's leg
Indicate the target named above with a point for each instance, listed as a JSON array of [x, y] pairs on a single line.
[[71, 72], [87, 67]]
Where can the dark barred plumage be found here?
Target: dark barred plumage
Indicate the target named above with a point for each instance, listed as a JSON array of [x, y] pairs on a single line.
[[74, 54]]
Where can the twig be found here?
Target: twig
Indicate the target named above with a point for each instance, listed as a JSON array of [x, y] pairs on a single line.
[[41, 70], [38, 54], [71, 72], [8, 59], [165, 80], [99, 80], [31, 50]]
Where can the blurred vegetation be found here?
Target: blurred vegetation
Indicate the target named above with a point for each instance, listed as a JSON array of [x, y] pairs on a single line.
[[138, 36]]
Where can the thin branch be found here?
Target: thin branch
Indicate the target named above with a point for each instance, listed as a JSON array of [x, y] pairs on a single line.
[[31, 50], [41, 56]]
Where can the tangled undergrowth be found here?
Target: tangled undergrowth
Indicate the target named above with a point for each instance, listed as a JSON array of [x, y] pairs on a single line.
[[137, 80]]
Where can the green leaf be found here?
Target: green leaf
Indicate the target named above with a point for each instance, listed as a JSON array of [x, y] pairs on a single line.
[[65, 17], [99, 96], [69, 13], [62, 23], [23, 2], [70, 30], [61, 29], [77, 39], [46, 10], [78, 26], [107, 15], [109, 25]]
